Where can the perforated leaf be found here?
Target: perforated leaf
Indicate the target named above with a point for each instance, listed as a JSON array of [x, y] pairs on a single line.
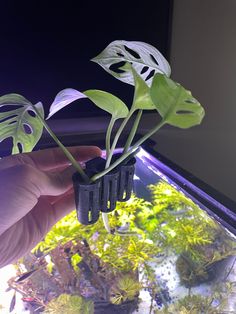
[[64, 98], [108, 102], [175, 104], [145, 59], [20, 122]]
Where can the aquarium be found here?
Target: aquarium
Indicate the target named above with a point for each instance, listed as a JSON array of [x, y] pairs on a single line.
[[175, 252]]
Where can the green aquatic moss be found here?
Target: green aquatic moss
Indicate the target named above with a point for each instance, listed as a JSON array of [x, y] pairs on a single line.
[[193, 304], [175, 222], [217, 302], [70, 304]]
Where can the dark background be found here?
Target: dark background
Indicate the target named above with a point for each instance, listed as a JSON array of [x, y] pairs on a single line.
[[46, 46]]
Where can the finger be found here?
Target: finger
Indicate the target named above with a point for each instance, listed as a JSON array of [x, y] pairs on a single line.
[[41, 183], [45, 215], [63, 207], [51, 158], [53, 199]]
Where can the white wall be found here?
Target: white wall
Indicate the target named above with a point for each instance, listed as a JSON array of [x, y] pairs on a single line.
[[203, 59]]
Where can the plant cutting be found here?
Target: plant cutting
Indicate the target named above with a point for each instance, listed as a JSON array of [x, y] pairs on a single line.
[[135, 63]]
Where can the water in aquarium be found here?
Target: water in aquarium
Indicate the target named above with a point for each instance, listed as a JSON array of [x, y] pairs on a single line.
[[165, 254]]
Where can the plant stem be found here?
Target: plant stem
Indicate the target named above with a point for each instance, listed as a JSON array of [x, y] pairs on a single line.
[[108, 136], [110, 151], [132, 149], [65, 151], [118, 133], [133, 131], [106, 222], [108, 157]]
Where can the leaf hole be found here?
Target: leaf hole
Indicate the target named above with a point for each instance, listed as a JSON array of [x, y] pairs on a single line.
[[144, 70], [150, 75], [154, 59], [120, 54], [190, 101], [12, 122], [31, 113], [9, 117], [115, 67], [20, 147], [6, 107], [27, 128], [183, 112], [132, 52]]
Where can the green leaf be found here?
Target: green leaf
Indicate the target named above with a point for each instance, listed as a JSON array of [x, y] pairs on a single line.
[[108, 102], [20, 123], [145, 59], [174, 103], [142, 99], [64, 98]]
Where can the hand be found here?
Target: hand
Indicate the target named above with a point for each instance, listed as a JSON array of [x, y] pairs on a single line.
[[35, 192]]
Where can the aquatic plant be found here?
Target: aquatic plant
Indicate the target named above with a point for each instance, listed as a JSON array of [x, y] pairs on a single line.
[[70, 304], [132, 249], [214, 303], [193, 304], [175, 221], [177, 224], [126, 288], [85, 260]]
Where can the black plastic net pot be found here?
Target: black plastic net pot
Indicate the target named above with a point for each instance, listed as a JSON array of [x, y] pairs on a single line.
[[126, 178], [109, 184], [87, 200], [102, 195], [117, 185], [126, 181], [109, 191], [103, 307]]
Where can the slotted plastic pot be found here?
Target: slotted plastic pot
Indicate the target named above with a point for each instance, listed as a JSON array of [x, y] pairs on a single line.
[[87, 200], [102, 195]]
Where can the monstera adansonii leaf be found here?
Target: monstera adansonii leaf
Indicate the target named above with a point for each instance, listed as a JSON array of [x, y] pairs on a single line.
[[19, 121], [175, 104], [64, 98], [108, 102], [145, 59], [142, 99], [113, 105]]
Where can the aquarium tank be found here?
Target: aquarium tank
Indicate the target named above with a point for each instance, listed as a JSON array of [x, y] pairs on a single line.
[[175, 253]]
